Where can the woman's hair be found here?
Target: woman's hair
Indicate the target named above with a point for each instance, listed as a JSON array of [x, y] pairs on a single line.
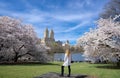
[[67, 52]]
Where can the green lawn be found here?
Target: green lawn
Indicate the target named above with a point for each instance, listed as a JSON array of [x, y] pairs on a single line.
[[32, 70]]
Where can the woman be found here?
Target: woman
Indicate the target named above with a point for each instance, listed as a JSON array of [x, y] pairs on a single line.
[[67, 62]]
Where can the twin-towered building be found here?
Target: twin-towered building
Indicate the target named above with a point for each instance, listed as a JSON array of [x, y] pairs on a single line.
[[48, 37], [49, 41]]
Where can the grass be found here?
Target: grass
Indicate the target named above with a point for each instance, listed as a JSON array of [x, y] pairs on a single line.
[[32, 70]]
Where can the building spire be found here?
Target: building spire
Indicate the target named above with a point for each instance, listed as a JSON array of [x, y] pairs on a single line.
[[52, 34], [46, 33]]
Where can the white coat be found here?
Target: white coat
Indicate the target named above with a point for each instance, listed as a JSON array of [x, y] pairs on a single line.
[[67, 60]]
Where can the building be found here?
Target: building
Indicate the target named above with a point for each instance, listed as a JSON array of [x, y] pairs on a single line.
[[49, 41]]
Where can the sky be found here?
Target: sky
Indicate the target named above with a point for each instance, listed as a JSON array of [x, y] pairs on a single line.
[[69, 19]]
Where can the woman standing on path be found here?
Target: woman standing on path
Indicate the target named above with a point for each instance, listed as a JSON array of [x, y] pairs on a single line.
[[67, 59]]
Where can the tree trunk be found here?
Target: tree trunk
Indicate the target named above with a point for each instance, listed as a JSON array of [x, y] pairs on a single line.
[[16, 57], [118, 63], [16, 53]]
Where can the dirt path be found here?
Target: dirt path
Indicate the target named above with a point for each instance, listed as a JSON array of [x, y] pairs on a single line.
[[57, 75]]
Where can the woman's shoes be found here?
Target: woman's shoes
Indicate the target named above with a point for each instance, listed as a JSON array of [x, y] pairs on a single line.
[[68, 75]]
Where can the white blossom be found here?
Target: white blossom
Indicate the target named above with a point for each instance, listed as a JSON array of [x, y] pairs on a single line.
[[17, 40], [103, 42]]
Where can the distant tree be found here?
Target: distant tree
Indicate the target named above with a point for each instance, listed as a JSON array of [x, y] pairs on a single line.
[[103, 43], [111, 9], [78, 48], [17, 40]]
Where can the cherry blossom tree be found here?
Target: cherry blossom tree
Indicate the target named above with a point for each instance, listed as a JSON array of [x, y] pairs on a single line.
[[17, 40], [102, 43]]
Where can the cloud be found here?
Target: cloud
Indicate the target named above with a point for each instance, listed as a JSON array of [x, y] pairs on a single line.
[[79, 4], [28, 17], [77, 26], [27, 4], [74, 17], [37, 15]]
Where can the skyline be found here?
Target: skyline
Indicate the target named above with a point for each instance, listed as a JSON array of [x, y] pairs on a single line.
[[69, 19]]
